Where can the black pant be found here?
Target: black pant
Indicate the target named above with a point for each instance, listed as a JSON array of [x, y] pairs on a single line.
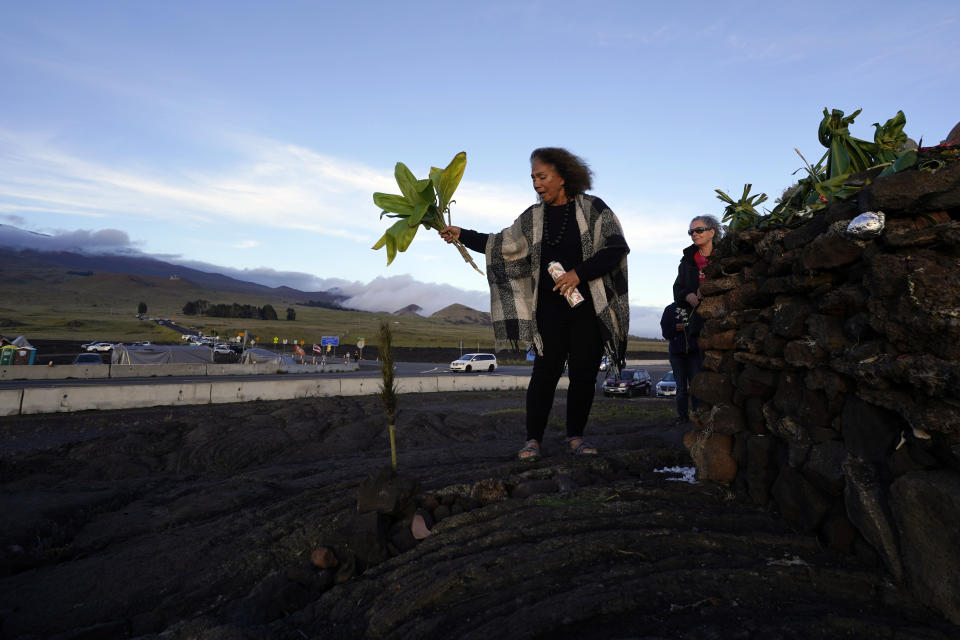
[[568, 335], [685, 367]]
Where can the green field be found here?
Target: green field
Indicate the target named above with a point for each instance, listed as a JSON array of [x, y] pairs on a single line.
[[45, 303]]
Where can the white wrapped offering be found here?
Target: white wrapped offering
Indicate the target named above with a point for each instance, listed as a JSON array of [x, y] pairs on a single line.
[[867, 225]]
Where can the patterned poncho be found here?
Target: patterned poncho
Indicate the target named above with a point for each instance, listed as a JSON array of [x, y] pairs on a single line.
[[513, 271]]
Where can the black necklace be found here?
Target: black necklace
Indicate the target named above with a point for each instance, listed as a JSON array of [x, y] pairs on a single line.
[[568, 209]]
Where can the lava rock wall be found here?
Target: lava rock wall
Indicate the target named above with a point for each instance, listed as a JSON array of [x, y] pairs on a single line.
[[831, 382]]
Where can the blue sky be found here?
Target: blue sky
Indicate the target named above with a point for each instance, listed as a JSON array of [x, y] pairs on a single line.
[[251, 136]]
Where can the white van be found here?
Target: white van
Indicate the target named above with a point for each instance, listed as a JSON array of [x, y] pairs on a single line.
[[475, 362]]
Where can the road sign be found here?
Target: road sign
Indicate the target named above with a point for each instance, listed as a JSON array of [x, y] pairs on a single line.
[[360, 343], [276, 339], [330, 341]]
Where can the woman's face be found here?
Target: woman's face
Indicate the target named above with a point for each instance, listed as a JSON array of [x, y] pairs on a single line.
[[548, 183], [701, 238]]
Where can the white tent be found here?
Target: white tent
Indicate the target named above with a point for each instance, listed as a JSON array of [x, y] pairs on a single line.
[[161, 355], [253, 356]]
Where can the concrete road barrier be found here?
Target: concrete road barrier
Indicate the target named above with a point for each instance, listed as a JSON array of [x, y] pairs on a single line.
[[58, 372], [10, 401], [83, 372], [67, 397], [87, 397]]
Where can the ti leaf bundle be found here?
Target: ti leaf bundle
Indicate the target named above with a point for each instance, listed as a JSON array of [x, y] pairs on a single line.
[[421, 203]]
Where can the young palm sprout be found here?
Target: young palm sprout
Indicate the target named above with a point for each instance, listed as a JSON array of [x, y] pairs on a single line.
[[388, 390]]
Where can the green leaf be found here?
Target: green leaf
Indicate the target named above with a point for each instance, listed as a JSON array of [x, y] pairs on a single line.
[[419, 211], [391, 248], [407, 183], [397, 238], [393, 203], [905, 160], [450, 179], [402, 234], [426, 191], [724, 197]]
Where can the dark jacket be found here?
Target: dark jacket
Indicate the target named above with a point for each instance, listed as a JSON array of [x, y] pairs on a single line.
[[688, 275], [681, 341]]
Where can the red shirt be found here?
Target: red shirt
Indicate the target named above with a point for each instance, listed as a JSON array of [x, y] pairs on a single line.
[[701, 261]]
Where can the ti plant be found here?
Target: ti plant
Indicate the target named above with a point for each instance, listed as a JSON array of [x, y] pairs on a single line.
[[846, 154], [741, 214], [848, 165], [388, 391], [422, 203]]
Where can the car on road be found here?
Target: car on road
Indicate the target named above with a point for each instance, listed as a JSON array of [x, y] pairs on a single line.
[[141, 343], [632, 382], [667, 385], [88, 358], [99, 345], [223, 348], [475, 362]]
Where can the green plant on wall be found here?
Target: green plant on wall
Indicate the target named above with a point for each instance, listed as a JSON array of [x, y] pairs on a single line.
[[741, 214], [420, 203], [848, 165]]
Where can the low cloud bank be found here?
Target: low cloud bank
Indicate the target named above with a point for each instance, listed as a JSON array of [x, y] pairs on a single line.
[[80, 240]]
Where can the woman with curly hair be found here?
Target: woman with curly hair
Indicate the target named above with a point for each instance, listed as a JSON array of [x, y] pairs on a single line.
[[571, 315]]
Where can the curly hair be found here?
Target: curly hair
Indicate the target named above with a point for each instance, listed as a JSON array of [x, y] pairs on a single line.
[[711, 223], [576, 173]]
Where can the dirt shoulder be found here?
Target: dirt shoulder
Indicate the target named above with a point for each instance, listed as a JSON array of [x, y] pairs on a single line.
[[199, 522]]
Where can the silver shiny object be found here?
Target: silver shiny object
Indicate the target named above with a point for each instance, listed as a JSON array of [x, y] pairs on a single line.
[[867, 225]]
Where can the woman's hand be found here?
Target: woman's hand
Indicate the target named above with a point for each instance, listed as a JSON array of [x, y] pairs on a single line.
[[567, 282], [693, 299], [450, 234]]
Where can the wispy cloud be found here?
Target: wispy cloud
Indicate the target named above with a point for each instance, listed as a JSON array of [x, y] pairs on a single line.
[[272, 184], [246, 244]]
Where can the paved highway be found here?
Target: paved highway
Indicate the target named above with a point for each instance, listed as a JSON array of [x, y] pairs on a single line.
[[367, 370]]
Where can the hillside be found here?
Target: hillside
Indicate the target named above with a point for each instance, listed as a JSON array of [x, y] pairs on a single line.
[[409, 310], [460, 314], [70, 297], [78, 263]]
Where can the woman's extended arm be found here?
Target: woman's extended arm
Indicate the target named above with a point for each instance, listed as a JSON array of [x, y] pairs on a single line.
[[468, 238]]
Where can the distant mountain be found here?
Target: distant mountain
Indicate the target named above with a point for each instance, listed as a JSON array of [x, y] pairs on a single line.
[[461, 314], [83, 264], [409, 310]]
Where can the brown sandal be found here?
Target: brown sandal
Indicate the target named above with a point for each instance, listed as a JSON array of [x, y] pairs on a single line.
[[581, 448], [530, 451]]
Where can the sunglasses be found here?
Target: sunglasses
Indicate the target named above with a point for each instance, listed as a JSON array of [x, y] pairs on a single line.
[[698, 230]]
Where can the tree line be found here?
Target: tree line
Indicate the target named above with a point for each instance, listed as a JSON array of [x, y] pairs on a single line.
[[234, 310]]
